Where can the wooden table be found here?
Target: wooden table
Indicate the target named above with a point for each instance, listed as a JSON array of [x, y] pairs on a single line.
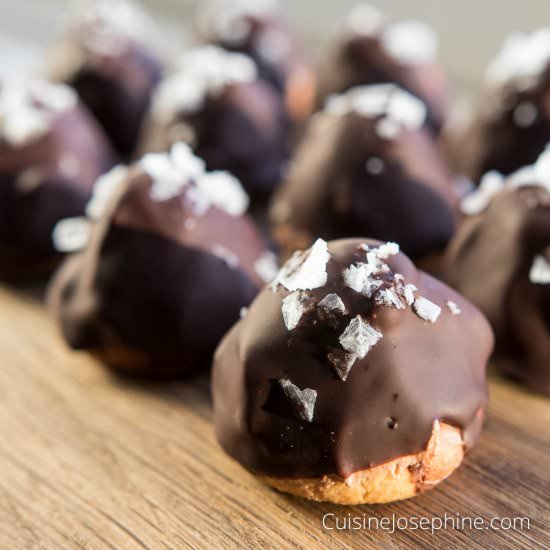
[[90, 461]]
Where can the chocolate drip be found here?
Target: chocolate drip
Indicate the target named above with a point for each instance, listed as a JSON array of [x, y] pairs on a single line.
[[416, 373]]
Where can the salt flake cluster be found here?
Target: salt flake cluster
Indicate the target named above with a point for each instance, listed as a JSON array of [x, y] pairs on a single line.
[[522, 59], [492, 183], [180, 169], [202, 73], [29, 109], [393, 108]]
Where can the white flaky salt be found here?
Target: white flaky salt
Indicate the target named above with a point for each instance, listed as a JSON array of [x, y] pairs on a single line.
[[202, 73], [292, 309], [306, 270], [266, 266], [359, 337], [71, 234], [540, 271], [521, 59], [426, 309], [332, 302], [453, 307], [410, 42], [396, 109]]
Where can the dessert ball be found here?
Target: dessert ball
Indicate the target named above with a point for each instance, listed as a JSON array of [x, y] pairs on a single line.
[[500, 259], [256, 28], [51, 153], [235, 121], [354, 378], [169, 261], [109, 56], [373, 49], [368, 166], [512, 125]]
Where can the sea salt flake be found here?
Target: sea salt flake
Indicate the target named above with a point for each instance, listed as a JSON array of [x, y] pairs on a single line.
[[356, 275], [359, 337], [453, 307], [426, 309], [202, 72], [410, 42], [332, 302], [477, 201], [225, 192], [292, 309], [387, 250], [266, 266], [342, 363], [302, 401], [306, 270], [540, 271], [389, 298], [71, 234], [407, 292]]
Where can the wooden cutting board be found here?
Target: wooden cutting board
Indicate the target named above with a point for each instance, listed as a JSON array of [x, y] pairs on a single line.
[[90, 461]]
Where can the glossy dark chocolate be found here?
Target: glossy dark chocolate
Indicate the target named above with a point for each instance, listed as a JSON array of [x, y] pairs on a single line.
[[373, 49], [282, 406], [160, 282], [491, 261], [348, 178], [44, 177], [107, 57]]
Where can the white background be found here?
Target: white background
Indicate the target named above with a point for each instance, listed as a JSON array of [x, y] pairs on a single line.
[[470, 30]]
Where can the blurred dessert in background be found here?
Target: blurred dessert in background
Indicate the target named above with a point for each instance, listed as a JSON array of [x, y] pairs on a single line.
[[372, 48], [109, 54], [368, 165], [169, 260], [51, 153]]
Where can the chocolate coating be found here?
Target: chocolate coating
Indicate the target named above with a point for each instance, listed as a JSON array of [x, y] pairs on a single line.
[[396, 189], [239, 125], [112, 66], [490, 260], [160, 281], [416, 373], [44, 179], [360, 56]]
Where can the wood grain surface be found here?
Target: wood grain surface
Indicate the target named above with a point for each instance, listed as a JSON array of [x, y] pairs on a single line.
[[91, 461]]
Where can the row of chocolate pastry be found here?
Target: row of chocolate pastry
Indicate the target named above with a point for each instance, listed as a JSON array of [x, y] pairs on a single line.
[[166, 258]]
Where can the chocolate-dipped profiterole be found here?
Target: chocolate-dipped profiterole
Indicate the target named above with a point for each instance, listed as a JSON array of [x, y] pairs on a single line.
[[368, 166], [170, 262], [512, 125], [109, 55], [500, 259], [51, 153], [354, 377], [216, 103], [256, 28], [372, 49]]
